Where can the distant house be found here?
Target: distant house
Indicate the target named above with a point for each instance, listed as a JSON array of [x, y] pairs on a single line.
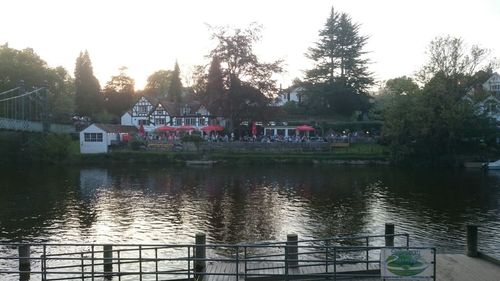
[[486, 97], [293, 95], [489, 106], [97, 138], [152, 112], [492, 85]]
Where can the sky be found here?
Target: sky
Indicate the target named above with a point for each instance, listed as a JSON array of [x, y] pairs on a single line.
[[149, 35]]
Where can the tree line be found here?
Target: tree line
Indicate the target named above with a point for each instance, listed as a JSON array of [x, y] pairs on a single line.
[[425, 115]]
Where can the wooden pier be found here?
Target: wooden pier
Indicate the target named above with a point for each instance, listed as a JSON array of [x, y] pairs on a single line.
[[450, 267], [337, 258], [221, 271]]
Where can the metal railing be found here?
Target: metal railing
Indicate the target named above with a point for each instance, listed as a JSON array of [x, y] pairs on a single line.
[[355, 256]]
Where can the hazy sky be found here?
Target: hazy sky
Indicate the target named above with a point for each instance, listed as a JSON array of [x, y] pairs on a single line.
[[146, 35]]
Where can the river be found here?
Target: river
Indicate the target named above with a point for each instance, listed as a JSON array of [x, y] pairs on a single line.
[[150, 204]]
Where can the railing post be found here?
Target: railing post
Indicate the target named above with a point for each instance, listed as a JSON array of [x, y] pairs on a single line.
[[107, 255], [24, 261], [200, 255], [472, 241], [389, 235], [367, 254], [293, 250], [237, 262]]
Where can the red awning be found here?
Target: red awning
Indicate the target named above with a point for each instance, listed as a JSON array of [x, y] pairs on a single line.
[[165, 129], [185, 128], [304, 128], [212, 128]]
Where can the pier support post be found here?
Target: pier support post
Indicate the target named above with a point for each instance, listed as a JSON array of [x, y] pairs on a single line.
[[24, 262], [200, 255], [107, 256], [472, 241], [293, 251], [389, 232]]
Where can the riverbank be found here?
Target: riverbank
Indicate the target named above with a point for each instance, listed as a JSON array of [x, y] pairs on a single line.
[[235, 158]]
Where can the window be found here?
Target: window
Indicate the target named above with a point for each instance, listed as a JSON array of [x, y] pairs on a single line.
[[142, 109], [142, 122], [160, 121], [93, 137], [185, 110], [190, 121]]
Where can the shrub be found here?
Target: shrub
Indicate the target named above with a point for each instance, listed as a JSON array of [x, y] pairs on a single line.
[[192, 138]]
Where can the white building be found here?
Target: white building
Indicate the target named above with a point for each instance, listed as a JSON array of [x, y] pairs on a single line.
[[492, 85], [486, 97], [153, 113], [96, 138], [294, 95]]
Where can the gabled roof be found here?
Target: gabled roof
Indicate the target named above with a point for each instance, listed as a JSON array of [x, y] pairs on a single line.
[[112, 128], [488, 99], [174, 109]]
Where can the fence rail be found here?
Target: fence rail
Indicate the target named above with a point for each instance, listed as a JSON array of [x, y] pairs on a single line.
[[334, 257]]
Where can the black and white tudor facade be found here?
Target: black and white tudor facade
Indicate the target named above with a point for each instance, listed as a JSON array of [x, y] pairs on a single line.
[[153, 113]]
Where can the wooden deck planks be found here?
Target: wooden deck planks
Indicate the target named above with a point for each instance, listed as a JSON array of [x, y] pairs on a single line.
[[450, 267], [463, 268]]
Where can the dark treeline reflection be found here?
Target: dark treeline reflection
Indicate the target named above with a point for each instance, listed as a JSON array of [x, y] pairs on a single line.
[[147, 204]]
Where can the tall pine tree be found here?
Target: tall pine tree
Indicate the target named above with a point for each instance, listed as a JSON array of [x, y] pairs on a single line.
[[340, 78], [87, 89], [175, 89], [215, 91]]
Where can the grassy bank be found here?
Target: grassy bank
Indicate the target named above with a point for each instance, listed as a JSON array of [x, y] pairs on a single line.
[[356, 154], [36, 148]]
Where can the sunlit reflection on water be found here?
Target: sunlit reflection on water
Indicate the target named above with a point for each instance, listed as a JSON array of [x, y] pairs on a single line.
[[236, 205]]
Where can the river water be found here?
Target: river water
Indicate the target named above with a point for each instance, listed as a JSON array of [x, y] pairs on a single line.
[[151, 204]]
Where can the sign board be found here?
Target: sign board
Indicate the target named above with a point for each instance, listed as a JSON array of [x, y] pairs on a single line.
[[407, 263]]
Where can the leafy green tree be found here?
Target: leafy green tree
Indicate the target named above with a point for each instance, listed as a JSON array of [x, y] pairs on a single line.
[[435, 126], [453, 58], [340, 78], [118, 93], [61, 95], [175, 87], [394, 89], [88, 98], [247, 83], [26, 65], [17, 65], [158, 84], [235, 51]]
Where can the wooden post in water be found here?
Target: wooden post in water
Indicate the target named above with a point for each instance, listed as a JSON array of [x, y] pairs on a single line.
[[389, 232], [107, 256], [24, 261], [293, 250], [472, 241], [200, 254]]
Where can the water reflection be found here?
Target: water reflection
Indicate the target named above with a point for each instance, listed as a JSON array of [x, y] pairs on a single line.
[[232, 205]]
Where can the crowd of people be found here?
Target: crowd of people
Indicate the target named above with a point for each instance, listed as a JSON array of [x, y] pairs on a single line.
[[174, 137]]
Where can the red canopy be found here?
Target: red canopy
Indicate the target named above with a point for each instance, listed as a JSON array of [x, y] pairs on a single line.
[[141, 129], [165, 129], [185, 128], [304, 128], [211, 128]]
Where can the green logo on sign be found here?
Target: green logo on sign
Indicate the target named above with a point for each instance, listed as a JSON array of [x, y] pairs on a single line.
[[405, 263]]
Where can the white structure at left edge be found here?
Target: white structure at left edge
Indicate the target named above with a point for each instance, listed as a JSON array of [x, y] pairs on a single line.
[[97, 138]]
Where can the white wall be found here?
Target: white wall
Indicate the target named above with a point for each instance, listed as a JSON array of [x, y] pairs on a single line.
[[93, 147], [126, 119]]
